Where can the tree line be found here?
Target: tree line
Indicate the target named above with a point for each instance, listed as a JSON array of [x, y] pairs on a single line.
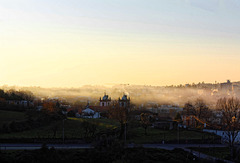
[[16, 95]]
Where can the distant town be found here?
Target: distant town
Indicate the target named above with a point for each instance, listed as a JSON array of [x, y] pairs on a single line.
[[200, 113]]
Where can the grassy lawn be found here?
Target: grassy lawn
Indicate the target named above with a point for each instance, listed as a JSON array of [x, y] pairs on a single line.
[[8, 116], [72, 129], [102, 123], [219, 152], [137, 135]]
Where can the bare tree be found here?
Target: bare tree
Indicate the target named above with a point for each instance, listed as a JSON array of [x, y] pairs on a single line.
[[121, 114], [202, 110], [189, 109], [55, 129], [145, 121], [230, 108]]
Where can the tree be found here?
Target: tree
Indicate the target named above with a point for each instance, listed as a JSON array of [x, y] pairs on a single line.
[[145, 121], [202, 111], [189, 108], [178, 117], [71, 113], [121, 114], [50, 107], [51, 112], [230, 108]]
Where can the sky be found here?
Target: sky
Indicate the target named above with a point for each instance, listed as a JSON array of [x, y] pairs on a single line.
[[70, 43]]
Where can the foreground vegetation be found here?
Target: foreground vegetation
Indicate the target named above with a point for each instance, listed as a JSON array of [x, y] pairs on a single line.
[[115, 153], [219, 152]]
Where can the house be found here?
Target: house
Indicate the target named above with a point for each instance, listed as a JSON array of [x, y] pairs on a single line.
[[166, 125], [89, 113], [217, 117], [228, 86], [136, 114], [224, 135], [20, 103], [166, 111]]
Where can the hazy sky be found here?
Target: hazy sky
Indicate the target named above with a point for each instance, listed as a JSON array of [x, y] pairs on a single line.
[[68, 43]]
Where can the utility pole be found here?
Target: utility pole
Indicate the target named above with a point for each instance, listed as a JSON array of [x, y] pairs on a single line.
[[63, 131], [178, 135], [125, 136]]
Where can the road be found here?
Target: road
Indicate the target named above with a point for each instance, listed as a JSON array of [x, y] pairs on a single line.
[[6, 146], [172, 146]]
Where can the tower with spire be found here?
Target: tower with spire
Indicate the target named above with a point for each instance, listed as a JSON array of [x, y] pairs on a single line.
[[105, 101], [124, 101]]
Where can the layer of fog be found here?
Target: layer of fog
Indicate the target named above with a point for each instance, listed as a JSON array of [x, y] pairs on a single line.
[[140, 95]]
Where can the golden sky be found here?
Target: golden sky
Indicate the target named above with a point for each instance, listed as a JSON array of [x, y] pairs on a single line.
[[73, 43]]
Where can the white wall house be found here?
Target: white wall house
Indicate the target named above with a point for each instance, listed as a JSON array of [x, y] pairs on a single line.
[[89, 113], [223, 135]]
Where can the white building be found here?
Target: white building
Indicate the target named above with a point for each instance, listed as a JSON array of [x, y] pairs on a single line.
[[224, 136], [105, 101], [89, 113]]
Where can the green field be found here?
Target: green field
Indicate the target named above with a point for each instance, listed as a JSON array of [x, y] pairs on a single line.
[[72, 129], [137, 135], [9, 116]]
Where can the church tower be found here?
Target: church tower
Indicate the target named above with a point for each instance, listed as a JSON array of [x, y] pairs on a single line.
[[105, 101], [124, 102]]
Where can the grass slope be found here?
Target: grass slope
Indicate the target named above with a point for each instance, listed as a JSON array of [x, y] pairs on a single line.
[[8, 116], [72, 129], [137, 135]]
